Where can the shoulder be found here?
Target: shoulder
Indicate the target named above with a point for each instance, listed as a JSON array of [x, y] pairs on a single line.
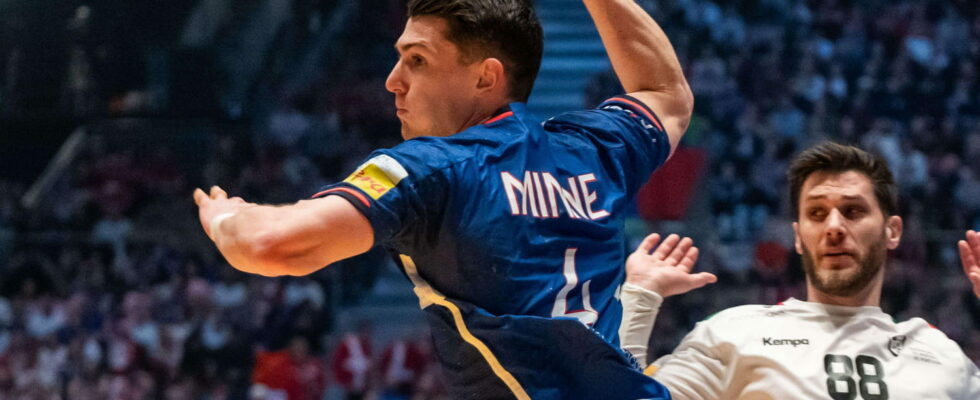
[[730, 324], [416, 160], [923, 332], [746, 320], [611, 114], [924, 343], [740, 313], [433, 152], [425, 153]]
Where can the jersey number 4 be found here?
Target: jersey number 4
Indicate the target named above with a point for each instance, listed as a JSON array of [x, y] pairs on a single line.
[[840, 383], [587, 315]]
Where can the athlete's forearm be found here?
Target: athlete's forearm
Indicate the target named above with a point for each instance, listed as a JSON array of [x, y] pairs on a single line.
[[247, 238], [295, 239], [638, 48], [640, 308]]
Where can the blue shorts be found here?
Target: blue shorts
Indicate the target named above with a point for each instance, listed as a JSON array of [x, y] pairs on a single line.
[[524, 357]]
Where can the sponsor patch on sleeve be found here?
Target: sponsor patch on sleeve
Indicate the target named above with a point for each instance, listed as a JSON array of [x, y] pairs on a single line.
[[377, 176]]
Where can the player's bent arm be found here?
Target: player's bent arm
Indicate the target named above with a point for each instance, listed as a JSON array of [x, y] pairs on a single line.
[[296, 239], [645, 62]]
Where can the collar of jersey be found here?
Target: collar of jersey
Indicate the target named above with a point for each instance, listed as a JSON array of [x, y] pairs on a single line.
[[501, 113], [871, 311]]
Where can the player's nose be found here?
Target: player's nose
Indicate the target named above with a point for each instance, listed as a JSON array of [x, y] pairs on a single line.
[[395, 82], [834, 229]]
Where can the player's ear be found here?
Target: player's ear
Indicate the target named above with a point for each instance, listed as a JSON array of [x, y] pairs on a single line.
[[491, 75], [893, 231], [796, 238]]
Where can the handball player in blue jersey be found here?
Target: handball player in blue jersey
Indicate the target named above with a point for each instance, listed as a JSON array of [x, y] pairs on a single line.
[[511, 230]]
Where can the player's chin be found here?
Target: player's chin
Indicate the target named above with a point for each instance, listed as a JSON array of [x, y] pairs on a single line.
[[410, 129]]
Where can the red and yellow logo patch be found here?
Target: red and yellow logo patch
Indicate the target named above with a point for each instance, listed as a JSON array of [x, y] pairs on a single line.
[[378, 175], [372, 180]]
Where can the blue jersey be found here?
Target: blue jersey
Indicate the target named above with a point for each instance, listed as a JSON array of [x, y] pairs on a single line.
[[513, 217]]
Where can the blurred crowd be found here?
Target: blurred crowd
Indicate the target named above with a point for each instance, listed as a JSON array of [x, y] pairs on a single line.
[[111, 291]]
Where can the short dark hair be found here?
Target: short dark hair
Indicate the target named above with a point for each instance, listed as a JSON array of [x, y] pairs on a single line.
[[505, 29], [834, 157]]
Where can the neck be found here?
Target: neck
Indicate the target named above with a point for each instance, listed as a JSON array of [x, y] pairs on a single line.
[[481, 113]]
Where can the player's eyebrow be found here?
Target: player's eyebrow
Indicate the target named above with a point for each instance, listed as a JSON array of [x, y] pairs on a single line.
[[844, 196], [405, 46]]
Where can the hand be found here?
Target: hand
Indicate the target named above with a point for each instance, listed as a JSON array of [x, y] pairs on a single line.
[[666, 270], [970, 257], [217, 203]]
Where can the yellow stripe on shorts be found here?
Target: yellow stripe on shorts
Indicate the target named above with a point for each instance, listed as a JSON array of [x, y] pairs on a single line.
[[429, 296]]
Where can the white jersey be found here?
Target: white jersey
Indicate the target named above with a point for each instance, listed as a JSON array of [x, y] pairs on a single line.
[[801, 350]]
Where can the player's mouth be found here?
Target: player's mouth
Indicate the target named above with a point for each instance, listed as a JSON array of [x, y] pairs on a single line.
[[838, 256]]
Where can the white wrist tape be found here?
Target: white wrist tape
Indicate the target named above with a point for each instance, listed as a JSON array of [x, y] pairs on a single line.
[[640, 308], [216, 223]]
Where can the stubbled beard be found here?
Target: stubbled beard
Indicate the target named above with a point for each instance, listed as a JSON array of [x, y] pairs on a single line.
[[843, 283]]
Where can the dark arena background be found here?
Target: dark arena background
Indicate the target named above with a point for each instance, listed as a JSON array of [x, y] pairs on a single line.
[[112, 111]]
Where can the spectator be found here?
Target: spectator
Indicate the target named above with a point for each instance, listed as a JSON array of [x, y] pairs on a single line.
[[351, 362], [401, 365], [292, 370]]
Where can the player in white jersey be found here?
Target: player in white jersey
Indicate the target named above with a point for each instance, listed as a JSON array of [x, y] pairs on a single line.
[[836, 345]]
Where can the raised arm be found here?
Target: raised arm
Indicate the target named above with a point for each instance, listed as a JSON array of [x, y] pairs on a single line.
[[296, 239], [645, 62], [651, 275]]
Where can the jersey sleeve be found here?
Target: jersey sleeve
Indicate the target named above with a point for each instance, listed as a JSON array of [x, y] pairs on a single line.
[[628, 128], [696, 369], [640, 309], [395, 189], [973, 380]]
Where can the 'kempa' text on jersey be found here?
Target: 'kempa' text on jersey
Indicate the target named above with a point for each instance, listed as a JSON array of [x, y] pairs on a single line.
[[785, 342], [539, 193]]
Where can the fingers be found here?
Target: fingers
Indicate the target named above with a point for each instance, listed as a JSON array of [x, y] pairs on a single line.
[[687, 283], [966, 256], [673, 250], [969, 260], [665, 248], [648, 243], [215, 194], [973, 239], [702, 279], [687, 263], [199, 196], [678, 253], [218, 193]]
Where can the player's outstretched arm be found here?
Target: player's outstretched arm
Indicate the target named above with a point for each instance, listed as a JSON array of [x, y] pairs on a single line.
[[970, 257], [652, 273], [645, 62], [296, 239]]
